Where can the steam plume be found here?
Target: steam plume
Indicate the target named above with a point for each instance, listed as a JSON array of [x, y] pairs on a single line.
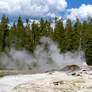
[[46, 57]]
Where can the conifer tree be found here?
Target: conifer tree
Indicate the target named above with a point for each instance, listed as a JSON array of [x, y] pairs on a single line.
[[28, 37], [12, 35], [4, 30], [68, 36], [76, 35], [20, 33], [88, 52], [59, 34]]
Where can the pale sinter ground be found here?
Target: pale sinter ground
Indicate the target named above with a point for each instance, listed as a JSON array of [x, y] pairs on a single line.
[[48, 82]]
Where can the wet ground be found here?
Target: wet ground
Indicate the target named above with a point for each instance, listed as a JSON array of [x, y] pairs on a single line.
[[71, 79]]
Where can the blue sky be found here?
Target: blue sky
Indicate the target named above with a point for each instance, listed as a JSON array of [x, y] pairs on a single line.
[[46, 8], [77, 3]]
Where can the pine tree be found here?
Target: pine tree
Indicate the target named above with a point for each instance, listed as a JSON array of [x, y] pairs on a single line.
[[35, 35], [4, 32], [28, 37], [12, 35], [68, 36], [43, 27], [76, 35], [88, 52], [84, 33], [20, 34], [59, 34]]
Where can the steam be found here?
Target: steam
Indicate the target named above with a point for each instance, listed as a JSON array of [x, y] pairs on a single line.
[[46, 57]]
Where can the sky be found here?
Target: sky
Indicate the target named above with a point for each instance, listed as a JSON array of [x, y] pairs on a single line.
[[47, 8]]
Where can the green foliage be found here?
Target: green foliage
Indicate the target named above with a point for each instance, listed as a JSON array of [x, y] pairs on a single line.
[[58, 35], [69, 38], [2, 75], [88, 51], [4, 29], [76, 35]]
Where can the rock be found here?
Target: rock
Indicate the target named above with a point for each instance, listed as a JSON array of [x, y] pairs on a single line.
[[58, 83], [71, 68]]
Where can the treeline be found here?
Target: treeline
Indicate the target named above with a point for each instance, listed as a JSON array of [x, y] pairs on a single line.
[[69, 38]]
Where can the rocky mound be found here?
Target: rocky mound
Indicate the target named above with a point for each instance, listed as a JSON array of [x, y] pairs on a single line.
[[71, 68]]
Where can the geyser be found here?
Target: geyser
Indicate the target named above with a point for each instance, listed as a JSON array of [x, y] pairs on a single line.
[[46, 57]]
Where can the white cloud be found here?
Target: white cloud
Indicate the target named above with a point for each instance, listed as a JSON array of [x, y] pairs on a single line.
[[32, 7], [34, 20], [83, 12]]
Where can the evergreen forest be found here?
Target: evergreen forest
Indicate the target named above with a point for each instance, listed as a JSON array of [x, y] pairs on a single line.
[[69, 37]]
